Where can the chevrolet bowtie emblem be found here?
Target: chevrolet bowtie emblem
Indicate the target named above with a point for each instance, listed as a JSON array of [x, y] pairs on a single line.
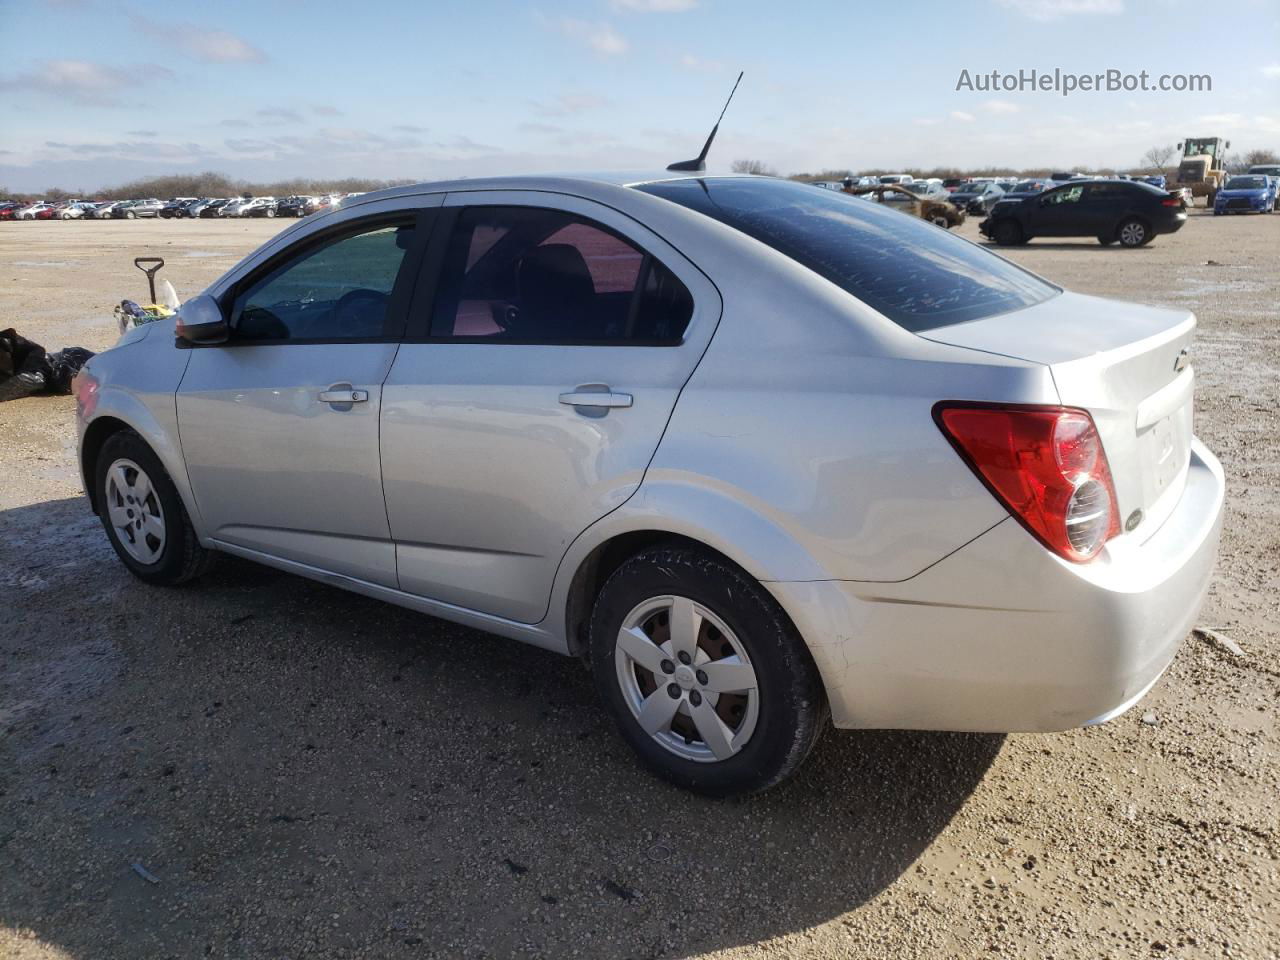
[[1181, 360]]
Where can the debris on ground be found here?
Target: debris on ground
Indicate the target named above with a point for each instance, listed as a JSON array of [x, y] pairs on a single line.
[[144, 873], [27, 369], [1223, 641]]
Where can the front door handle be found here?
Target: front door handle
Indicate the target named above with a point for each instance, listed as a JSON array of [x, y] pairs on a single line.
[[596, 398], [337, 394]]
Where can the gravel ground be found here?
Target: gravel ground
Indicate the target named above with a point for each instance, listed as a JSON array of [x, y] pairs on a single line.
[[301, 772]]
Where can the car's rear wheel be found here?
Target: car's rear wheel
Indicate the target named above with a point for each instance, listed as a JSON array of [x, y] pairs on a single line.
[[143, 515], [1007, 233], [706, 677], [131, 215], [270, 212], [1133, 233]]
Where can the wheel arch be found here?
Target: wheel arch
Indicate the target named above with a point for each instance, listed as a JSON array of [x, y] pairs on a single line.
[[698, 518]]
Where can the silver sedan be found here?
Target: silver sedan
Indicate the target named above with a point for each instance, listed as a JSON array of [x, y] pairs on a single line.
[[768, 457]]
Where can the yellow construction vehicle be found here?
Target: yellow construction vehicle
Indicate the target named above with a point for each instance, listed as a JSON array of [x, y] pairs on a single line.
[[1201, 169]]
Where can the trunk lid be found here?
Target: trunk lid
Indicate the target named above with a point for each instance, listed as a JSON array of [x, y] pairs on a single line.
[[1129, 366]]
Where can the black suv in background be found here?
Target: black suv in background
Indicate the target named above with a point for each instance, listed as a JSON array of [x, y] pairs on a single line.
[[1127, 211], [978, 197], [293, 207], [212, 209]]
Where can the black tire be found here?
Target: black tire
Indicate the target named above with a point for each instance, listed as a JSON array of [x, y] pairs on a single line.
[[1134, 232], [792, 707], [182, 558], [1007, 232], [1106, 241]]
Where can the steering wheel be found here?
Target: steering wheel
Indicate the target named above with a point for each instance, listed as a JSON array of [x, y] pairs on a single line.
[[360, 313]]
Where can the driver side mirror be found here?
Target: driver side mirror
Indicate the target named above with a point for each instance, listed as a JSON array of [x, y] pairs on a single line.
[[200, 320]]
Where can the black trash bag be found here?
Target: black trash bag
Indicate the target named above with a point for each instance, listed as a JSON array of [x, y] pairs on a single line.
[[63, 367], [26, 369]]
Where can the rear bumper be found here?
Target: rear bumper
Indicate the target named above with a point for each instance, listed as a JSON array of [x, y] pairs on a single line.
[[1003, 636]]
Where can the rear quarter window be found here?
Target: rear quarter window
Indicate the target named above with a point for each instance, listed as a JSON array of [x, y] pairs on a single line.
[[911, 271]]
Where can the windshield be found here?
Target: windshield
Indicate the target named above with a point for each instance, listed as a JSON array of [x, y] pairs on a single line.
[[1247, 183], [1194, 148], [918, 276]]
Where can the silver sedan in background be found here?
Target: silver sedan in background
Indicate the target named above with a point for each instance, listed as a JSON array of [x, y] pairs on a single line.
[[766, 456]]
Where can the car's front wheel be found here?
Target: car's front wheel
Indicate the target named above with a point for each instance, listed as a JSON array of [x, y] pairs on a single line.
[[708, 680], [143, 515], [1007, 233]]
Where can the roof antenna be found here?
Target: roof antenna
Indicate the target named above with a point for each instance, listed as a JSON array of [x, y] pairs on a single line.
[[700, 163]]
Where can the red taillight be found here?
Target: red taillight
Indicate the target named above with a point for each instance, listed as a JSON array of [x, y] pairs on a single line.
[[1046, 464], [1171, 201]]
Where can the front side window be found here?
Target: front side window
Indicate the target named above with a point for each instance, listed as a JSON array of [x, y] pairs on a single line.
[[918, 276], [339, 290], [1065, 195], [532, 275]]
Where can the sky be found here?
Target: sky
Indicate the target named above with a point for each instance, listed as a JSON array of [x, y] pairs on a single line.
[[99, 92]]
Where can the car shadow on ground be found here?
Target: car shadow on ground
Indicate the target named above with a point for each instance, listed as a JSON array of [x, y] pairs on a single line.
[[304, 771]]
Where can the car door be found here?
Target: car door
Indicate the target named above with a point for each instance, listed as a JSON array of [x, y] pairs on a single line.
[[543, 360], [1057, 213], [279, 424]]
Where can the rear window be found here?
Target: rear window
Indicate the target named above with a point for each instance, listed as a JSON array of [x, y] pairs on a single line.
[[915, 273]]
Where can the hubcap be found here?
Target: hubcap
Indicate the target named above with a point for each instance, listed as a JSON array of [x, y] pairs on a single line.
[[1132, 233], [687, 679], [133, 509]]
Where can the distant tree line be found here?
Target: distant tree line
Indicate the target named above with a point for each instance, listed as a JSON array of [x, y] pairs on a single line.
[[211, 184]]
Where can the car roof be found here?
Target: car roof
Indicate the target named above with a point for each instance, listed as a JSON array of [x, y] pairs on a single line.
[[548, 181]]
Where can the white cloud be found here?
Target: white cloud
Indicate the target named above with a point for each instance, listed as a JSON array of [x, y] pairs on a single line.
[[1271, 70], [81, 81], [568, 104], [655, 6], [1000, 106], [961, 116], [699, 65], [203, 43], [600, 37], [1056, 9]]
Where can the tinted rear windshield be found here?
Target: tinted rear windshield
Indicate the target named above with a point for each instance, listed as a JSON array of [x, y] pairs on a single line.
[[915, 273]]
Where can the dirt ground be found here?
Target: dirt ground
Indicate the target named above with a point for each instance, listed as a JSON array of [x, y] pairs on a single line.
[[301, 772]]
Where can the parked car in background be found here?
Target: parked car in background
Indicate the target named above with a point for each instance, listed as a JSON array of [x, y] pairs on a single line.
[[1026, 188], [933, 205], [8, 208], [1062, 176], [213, 208], [136, 209], [242, 206], [1246, 193], [977, 197], [262, 207], [1266, 169], [895, 178], [946, 494], [195, 209], [48, 212], [176, 207], [1155, 180], [106, 209], [951, 184], [1111, 210], [295, 206], [29, 211], [75, 210]]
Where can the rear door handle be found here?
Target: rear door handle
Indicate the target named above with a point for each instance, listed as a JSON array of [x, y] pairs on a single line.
[[344, 396], [602, 398]]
